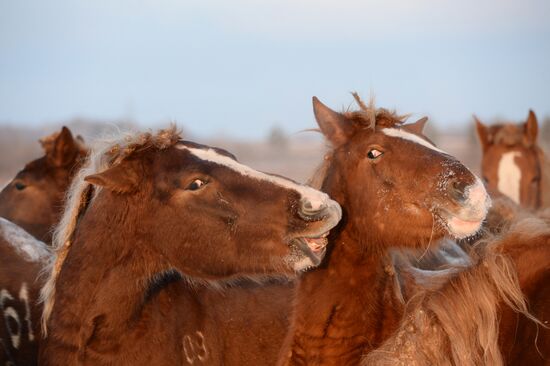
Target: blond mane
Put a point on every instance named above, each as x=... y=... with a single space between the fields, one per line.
x=446 y=327
x=105 y=153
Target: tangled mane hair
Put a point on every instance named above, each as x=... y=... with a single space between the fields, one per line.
x=458 y=323
x=105 y=153
x=368 y=116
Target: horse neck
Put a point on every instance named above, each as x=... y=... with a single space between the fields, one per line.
x=344 y=308
x=109 y=270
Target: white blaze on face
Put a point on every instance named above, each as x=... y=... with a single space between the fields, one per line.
x=31 y=250
x=509 y=175
x=317 y=200
x=402 y=134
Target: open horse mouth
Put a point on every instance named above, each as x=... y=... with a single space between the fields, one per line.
x=314 y=247
x=308 y=248
x=311 y=248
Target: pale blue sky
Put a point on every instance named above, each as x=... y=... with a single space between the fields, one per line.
x=241 y=66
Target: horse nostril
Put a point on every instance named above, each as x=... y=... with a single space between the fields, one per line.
x=458 y=189
x=311 y=207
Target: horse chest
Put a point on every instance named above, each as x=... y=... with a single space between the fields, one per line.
x=340 y=316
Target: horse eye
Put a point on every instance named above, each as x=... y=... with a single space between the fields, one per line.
x=196 y=184
x=373 y=154
x=20 y=186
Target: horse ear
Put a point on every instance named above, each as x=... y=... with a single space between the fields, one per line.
x=531 y=128
x=122 y=178
x=483 y=134
x=333 y=125
x=63 y=149
x=417 y=127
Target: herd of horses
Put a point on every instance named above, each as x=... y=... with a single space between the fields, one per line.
x=169 y=252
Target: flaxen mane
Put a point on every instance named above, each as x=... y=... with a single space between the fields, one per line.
x=458 y=324
x=105 y=154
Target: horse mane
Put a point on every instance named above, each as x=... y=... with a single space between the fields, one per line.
x=508 y=134
x=368 y=116
x=105 y=153
x=443 y=326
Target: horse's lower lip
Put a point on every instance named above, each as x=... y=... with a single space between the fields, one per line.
x=313 y=247
x=448 y=216
x=462 y=228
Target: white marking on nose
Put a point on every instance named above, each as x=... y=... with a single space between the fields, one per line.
x=315 y=197
x=509 y=175
x=32 y=250
x=476 y=192
x=313 y=205
x=478 y=201
x=402 y=134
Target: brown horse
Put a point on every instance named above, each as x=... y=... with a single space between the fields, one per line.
x=513 y=164
x=154 y=234
x=34 y=198
x=22 y=257
x=527 y=243
x=397 y=190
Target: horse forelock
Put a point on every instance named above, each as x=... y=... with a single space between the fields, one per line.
x=508 y=134
x=105 y=153
x=370 y=117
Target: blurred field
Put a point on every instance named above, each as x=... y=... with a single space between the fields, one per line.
x=295 y=155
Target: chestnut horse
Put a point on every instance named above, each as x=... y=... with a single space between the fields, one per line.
x=34 y=198
x=155 y=232
x=22 y=257
x=513 y=164
x=397 y=190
